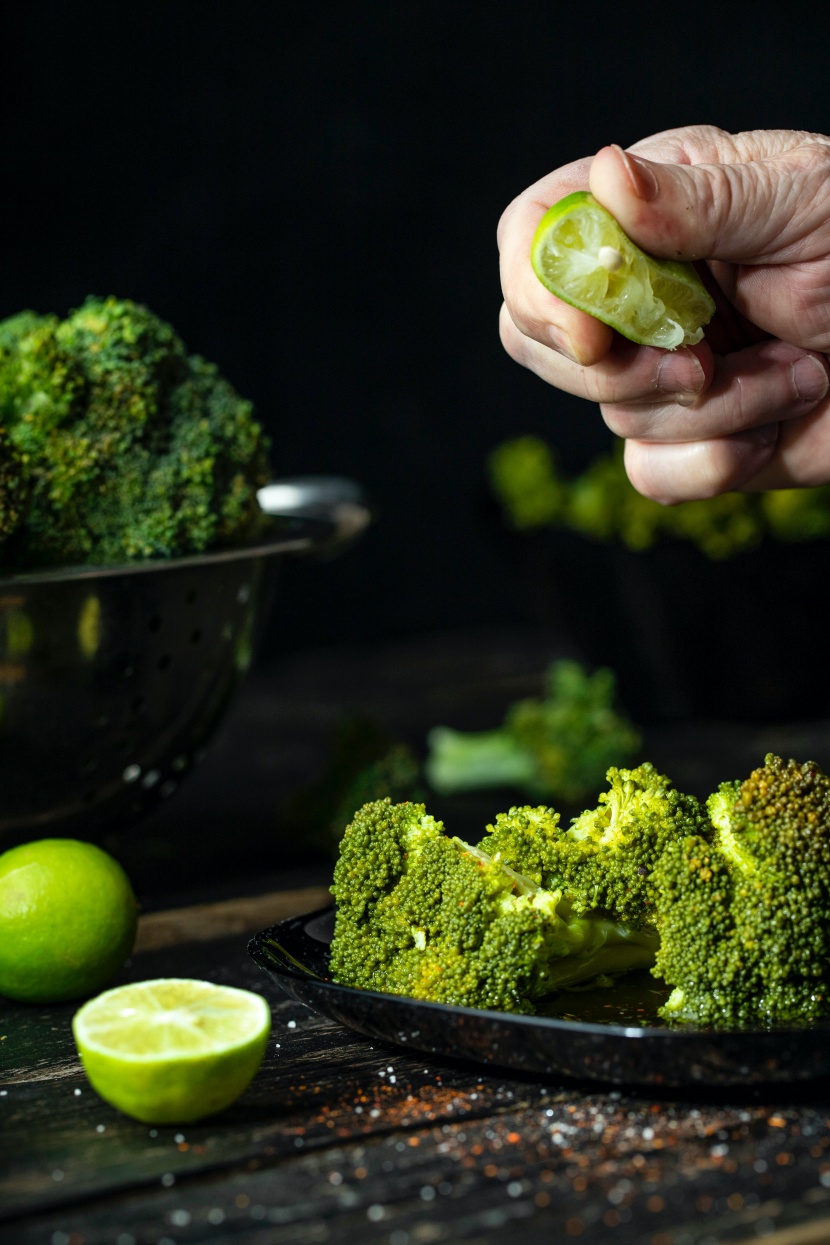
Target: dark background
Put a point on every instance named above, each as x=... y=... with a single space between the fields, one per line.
x=310 y=192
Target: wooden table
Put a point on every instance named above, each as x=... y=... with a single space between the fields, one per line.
x=342 y=1139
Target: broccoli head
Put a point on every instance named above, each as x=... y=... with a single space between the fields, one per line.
x=606 y=858
x=128 y=447
x=744 y=920
x=555 y=747
x=430 y=917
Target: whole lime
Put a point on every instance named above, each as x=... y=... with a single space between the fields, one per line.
x=67 y=920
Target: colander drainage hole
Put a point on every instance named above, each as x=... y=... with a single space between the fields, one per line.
x=191 y=596
x=138 y=704
x=154 y=624
x=195 y=636
x=164 y=661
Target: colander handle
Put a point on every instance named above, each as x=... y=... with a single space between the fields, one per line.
x=333 y=498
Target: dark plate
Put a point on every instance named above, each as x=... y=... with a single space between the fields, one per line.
x=607 y=1035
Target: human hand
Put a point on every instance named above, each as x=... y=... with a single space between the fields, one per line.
x=748 y=408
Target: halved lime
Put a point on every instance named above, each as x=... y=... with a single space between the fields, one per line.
x=582 y=256
x=172 y=1051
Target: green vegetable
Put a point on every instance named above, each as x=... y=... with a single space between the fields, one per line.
x=607 y=856
x=603 y=505
x=729 y=905
x=557 y=747
x=430 y=917
x=116 y=444
x=744 y=920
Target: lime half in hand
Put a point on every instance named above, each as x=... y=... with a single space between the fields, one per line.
x=582 y=256
x=173 y=1050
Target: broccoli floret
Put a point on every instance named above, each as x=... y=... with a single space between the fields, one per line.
x=744 y=920
x=607 y=856
x=430 y=917
x=130 y=447
x=556 y=748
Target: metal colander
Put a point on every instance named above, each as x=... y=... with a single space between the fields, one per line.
x=113 y=678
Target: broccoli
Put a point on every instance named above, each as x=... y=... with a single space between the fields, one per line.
x=602 y=504
x=606 y=858
x=744 y=919
x=557 y=747
x=430 y=917
x=14 y=487
x=116 y=444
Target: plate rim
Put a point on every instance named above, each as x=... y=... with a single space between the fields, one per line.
x=553 y=1023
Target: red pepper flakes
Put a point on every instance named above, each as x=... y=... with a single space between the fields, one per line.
x=777 y=1121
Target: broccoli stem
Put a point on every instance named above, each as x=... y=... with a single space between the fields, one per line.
x=472 y=762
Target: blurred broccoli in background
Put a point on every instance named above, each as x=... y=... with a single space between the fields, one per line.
x=364 y=764
x=556 y=747
x=116 y=445
x=602 y=504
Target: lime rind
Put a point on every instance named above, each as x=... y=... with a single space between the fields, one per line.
x=172 y=1050
x=581 y=255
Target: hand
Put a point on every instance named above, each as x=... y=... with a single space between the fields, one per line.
x=747 y=408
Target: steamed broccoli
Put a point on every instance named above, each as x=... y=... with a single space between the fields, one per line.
x=744 y=920
x=557 y=747
x=428 y=916
x=606 y=857
x=118 y=444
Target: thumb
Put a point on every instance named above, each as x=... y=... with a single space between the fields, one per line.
x=762 y=210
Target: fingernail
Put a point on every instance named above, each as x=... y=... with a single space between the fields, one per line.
x=810 y=378
x=561 y=342
x=680 y=373
x=640 y=175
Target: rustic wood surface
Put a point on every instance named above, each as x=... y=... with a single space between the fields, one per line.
x=341 y=1139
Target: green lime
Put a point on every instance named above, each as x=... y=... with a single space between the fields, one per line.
x=582 y=256
x=67 y=920
x=171 y=1051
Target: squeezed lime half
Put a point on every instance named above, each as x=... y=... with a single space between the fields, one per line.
x=172 y=1050
x=581 y=255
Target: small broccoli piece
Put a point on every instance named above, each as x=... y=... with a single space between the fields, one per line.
x=525 y=478
x=744 y=920
x=607 y=856
x=130 y=447
x=557 y=747
x=426 y=916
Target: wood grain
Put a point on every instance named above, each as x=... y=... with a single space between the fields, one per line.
x=204 y=922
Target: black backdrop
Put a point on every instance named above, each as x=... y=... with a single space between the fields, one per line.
x=309 y=192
